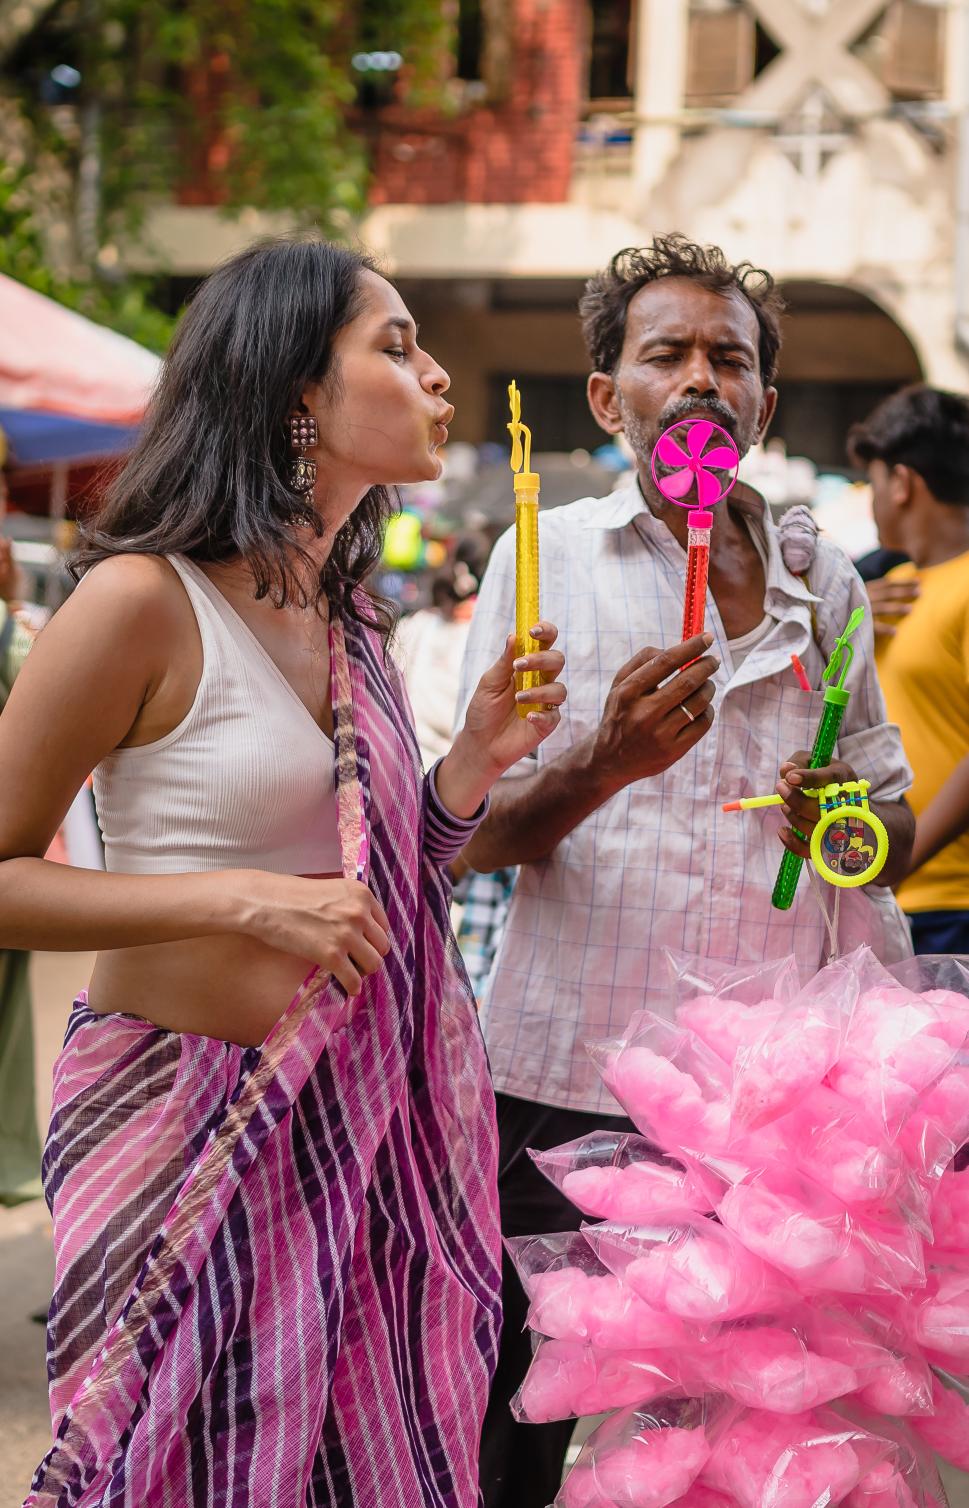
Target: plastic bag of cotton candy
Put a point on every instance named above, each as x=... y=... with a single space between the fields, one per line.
x=705 y=1453
x=733 y=1051
x=790 y=1230
x=647 y=1457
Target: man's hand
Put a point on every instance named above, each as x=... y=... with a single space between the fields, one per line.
x=890 y=597
x=803 y=811
x=653 y=716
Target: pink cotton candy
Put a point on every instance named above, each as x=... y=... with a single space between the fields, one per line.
x=777 y=1228
x=573 y=1305
x=946 y=1430
x=846 y=1151
x=652 y=1470
x=940 y=1123
x=724 y=1025
x=882 y=1487
x=941 y=1317
x=899 y=1388
x=769 y=1368
x=897 y=1045
x=767 y=1462
x=950 y=1212
x=701 y=1276
x=791 y=1058
x=569 y=1379
x=699 y=1496
x=642 y=1193
x=665 y=1102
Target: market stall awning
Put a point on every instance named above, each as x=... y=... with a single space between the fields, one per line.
x=36 y=439
x=70 y=391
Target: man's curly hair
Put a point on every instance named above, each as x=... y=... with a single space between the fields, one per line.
x=603 y=305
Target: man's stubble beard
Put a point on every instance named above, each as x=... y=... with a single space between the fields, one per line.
x=638 y=430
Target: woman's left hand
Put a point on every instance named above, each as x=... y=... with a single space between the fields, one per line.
x=494 y=736
x=493 y=719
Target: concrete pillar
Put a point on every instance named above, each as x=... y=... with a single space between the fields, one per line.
x=661 y=42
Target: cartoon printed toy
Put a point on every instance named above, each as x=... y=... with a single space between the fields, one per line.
x=694 y=464
x=849 y=846
x=527 y=485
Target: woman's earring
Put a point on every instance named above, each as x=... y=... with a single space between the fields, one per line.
x=303 y=433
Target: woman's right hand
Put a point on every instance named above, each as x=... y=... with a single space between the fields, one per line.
x=337 y=924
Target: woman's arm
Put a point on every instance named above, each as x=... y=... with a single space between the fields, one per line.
x=95 y=668
x=110 y=668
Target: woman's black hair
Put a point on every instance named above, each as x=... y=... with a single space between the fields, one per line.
x=925 y=428
x=207 y=477
x=605 y=302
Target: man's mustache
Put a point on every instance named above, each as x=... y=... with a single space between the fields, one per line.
x=683 y=408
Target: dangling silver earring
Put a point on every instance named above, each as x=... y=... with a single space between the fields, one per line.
x=303 y=433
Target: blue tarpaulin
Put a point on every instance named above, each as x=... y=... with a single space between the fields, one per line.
x=36 y=439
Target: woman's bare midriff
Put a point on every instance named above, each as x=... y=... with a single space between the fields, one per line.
x=229 y=987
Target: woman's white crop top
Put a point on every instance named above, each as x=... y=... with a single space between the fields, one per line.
x=246 y=780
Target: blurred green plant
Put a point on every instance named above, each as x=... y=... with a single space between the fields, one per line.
x=248 y=104
x=243 y=100
x=125 y=306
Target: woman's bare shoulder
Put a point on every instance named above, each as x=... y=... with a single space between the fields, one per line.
x=142 y=584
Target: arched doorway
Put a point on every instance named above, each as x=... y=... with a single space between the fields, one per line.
x=841 y=355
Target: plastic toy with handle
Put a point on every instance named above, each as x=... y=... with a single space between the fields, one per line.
x=836 y=699
x=849 y=845
x=687 y=469
x=527 y=485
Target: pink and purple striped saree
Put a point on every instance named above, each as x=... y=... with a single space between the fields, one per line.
x=277 y=1269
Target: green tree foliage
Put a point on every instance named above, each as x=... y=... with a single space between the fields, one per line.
x=247 y=102
x=124 y=305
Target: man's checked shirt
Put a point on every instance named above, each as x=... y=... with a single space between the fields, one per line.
x=660 y=866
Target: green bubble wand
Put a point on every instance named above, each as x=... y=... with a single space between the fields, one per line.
x=836 y=699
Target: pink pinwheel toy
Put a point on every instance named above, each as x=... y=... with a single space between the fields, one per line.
x=695 y=464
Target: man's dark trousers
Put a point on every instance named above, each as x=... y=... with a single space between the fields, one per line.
x=522 y=1464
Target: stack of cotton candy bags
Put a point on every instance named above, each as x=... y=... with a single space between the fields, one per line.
x=770 y=1294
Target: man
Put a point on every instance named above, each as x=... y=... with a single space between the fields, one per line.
x=915 y=447
x=617 y=824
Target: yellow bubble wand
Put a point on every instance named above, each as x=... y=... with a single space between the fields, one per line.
x=527 y=487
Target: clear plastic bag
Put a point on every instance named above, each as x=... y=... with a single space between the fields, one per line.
x=646 y=1458
x=799 y=1043
x=570 y=1379
x=753 y=983
x=672 y=1085
x=617 y=1176
x=698 y=1272
x=574 y=1297
x=893 y=1377
x=810 y=1461
x=766 y=1366
x=790 y=1222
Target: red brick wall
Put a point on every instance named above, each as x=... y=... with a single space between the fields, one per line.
x=516 y=152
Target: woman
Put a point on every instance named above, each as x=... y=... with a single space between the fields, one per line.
x=275 y=1225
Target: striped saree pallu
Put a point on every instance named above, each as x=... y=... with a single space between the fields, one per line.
x=278 y=1269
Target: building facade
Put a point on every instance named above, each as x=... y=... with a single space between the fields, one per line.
x=825 y=140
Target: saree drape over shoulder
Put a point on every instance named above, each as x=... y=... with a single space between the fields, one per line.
x=278 y=1269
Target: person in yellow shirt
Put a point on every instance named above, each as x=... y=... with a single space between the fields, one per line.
x=915 y=447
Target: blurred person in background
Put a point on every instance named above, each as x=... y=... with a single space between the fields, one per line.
x=19 y=1135
x=431 y=645
x=915 y=448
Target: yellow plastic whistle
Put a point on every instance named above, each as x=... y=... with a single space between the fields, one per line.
x=527 y=486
